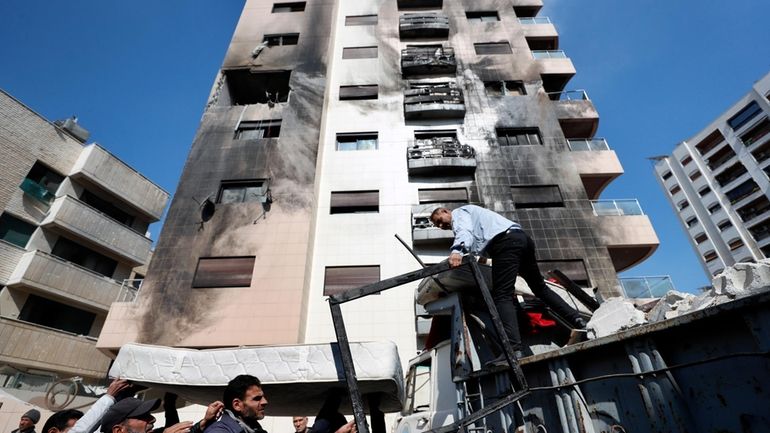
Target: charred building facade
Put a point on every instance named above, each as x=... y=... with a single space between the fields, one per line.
x=334 y=125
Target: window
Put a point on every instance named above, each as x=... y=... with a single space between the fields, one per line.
x=245 y=87
x=52 y=314
x=242 y=191
x=742 y=191
x=735 y=244
x=714 y=207
x=282 y=39
x=255 y=130
x=761 y=230
x=720 y=157
x=14 y=230
x=703 y=191
x=107 y=207
x=418 y=386
x=482 y=16
x=547 y=43
x=710 y=256
x=724 y=225
x=730 y=174
x=695 y=175
x=338 y=279
x=575 y=270
x=504 y=88
x=675 y=189
x=684 y=204
x=361 y=20
x=223 y=272
x=41 y=183
x=72 y=252
x=666 y=175
x=692 y=221
x=701 y=238
x=355 y=202
x=493 y=48
x=686 y=160
x=359 y=53
x=745 y=115
x=357 y=141
x=518 y=136
x=536 y=196
x=288 y=7
x=443 y=195
x=365 y=91
x=754 y=209
x=756 y=133
x=710 y=142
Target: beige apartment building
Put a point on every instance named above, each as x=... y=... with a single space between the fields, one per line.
x=73 y=224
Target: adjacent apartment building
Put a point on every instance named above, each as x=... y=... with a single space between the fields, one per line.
x=333 y=126
x=717 y=182
x=73 y=220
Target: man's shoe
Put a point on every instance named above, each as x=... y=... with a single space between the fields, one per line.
x=580 y=323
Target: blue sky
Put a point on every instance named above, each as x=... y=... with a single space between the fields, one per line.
x=138 y=73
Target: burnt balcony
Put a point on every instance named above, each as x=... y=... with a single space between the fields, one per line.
x=433 y=101
x=428 y=59
x=423 y=25
x=424 y=233
x=440 y=156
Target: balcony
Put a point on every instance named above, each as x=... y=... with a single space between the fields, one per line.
x=626 y=232
x=433 y=101
x=40 y=347
x=556 y=69
x=41 y=272
x=97 y=167
x=440 y=156
x=577 y=115
x=596 y=164
x=646 y=287
x=424 y=233
x=431 y=59
x=75 y=218
x=534 y=21
x=423 y=25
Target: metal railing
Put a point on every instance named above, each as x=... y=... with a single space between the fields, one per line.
x=646 y=287
x=569 y=95
x=535 y=20
x=549 y=54
x=595 y=144
x=439 y=147
x=129 y=290
x=617 y=207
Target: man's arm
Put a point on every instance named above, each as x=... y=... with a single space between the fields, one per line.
x=462 y=226
x=93 y=417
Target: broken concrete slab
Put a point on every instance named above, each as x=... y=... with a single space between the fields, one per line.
x=743 y=279
x=615 y=314
x=670 y=305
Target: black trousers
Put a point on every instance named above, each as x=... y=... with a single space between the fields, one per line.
x=512 y=254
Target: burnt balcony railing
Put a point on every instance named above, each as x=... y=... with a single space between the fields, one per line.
x=423 y=25
x=428 y=59
x=433 y=101
x=440 y=156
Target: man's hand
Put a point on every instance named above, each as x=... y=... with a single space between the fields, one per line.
x=455 y=260
x=348 y=428
x=182 y=427
x=117 y=386
x=213 y=411
x=482 y=260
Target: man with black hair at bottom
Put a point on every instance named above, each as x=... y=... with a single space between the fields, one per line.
x=62 y=421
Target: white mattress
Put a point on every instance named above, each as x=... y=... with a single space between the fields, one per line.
x=295 y=378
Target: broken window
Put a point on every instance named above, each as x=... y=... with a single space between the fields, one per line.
x=359 y=53
x=482 y=16
x=357 y=141
x=73 y=252
x=338 y=279
x=52 y=314
x=282 y=39
x=242 y=191
x=536 y=196
x=41 y=183
x=15 y=230
x=504 y=88
x=443 y=195
x=214 y=272
x=493 y=48
x=255 y=130
x=355 y=202
x=361 y=20
x=246 y=87
x=365 y=91
x=745 y=115
x=518 y=136
x=288 y=7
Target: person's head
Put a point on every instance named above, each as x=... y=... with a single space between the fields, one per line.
x=130 y=415
x=300 y=423
x=29 y=419
x=61 y=421
x=442 y=218
x=244 y=397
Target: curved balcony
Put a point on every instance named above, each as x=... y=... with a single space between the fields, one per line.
x=597 y=164
x=428 y=59
x=433 y=101
x=576 y=113
x=440 y=156
x=556 y=69
x=423 y=25
x=626 y=232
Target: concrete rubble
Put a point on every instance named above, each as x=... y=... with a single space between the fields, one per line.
x=614 y=315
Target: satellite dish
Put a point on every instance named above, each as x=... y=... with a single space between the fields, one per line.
x=207 y=210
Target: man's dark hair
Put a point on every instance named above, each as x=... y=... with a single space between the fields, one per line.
x=237 y=388
x=436 y=212
x=60 y=419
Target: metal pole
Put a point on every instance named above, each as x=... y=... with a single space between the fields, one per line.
x=349 y=369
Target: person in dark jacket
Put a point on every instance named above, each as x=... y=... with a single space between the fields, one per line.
x=62 y=421
x=245 y=404
x=28 y=421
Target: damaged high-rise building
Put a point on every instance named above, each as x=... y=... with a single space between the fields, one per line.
x=333 y=126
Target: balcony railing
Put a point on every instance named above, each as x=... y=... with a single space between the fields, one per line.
x=535 y=20
x=437 y=155
x=549 y=54
x=36 y=191
x=428 y=60
x=433 y=100
x=130 y=290
x=616 y=207
x=646 y=287
x=596 y=144
x=569 y=95
x=423 y=25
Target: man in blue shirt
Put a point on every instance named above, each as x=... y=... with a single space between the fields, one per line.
x=482 y=232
